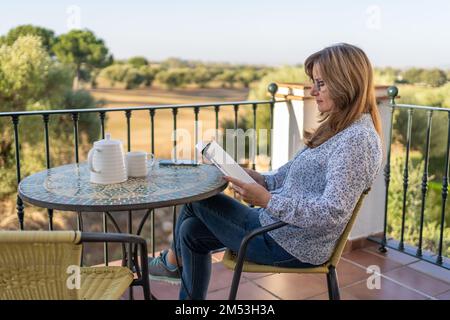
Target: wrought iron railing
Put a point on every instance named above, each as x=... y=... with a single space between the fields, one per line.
x=75 y=115
x=417 y=250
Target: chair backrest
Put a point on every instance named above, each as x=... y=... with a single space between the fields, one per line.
x=34 y=264
x=340 y=245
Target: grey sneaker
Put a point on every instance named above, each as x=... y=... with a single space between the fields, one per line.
x=158 y=270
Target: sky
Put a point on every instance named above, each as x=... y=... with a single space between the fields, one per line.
x=397 y=33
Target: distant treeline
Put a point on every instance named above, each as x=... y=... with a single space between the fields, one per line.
x=174 y=72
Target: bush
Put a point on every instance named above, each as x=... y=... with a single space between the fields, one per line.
x=413 y=206
x=173 y=78
x=129 y=75
x=437 y=97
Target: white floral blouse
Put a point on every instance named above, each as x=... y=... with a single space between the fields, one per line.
x=316 y=191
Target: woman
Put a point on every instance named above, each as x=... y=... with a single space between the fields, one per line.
x=315 y=192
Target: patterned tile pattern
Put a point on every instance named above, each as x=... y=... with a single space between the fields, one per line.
x=69 y=185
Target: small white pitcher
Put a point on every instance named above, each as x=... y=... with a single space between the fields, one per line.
x=106 y=162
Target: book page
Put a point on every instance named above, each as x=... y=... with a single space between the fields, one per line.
x=222 y=160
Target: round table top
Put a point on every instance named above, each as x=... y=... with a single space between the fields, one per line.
x=68 y=188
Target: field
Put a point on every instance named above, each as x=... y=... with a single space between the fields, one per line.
x=36 y=218
x=140 y=120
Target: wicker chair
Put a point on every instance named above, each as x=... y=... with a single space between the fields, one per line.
x=329 y=268
x=37 y=265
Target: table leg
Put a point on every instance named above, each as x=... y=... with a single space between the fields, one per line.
x=130 y=250
x=138 y=232
x=116 y=226
x=153 y=233
x=80 y=228
x=105 y=245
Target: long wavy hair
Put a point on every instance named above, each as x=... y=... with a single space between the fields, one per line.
x=348 y=75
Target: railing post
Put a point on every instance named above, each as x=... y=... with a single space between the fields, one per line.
x=102 y=116
x=439 y=259
x=272 y=88
x=392 y=93
x=424 y=183
x=216 y=111
x=152 y=130
x=128 y=116
x=196 y=111
x=236 y=110
x=46 y=119
x=174 y=136
x=19 y=202
x=255 y=137
x=75 y=118
x=405 y=180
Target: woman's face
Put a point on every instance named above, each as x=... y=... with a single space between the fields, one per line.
x=320 y=91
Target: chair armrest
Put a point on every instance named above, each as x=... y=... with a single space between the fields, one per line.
x=111 y=237
x=124 y=238
x=242 y=251
x=261 y=230
x=254 y=233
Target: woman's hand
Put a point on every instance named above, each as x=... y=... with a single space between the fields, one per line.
x=251 y=193
x=257 y=177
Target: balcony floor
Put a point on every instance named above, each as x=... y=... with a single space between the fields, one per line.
x=402 y=277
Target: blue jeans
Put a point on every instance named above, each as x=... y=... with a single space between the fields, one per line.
x=214 y=223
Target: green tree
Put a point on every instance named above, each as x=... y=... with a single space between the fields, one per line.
x=246 y=76
x=412 y=75
x=31 y=80
x=433 y=77
x=282 y=74
x=228 y=76
x=174 y=63
x=172 y=78
x=202 y=76
x=82 y=49
x=133 y=78
x=138 y=62
x=149 y=74
x=47 y=36
x=386 y=76
x=114 y=73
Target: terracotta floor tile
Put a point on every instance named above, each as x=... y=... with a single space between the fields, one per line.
x=444 y=296
x=255 y=275
x=138 y=294
x=164 y=291
x=221 y=277
x=393 y=255
x=432 y=270
x=324 y=296
x=246 y=291
x=293 y=286
x=389 y=291
x=418 y=281
x=367 y=259
x=217 y=257
x=349 y=273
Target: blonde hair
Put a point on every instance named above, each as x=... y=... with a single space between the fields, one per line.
x=348 y=75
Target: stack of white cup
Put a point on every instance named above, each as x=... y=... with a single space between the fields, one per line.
x=136 y=162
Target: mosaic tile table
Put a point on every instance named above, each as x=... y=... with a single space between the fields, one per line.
x=68 y=188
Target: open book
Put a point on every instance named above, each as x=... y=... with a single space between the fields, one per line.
x=213 y=152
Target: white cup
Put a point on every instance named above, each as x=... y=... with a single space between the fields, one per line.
x=136 y=162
